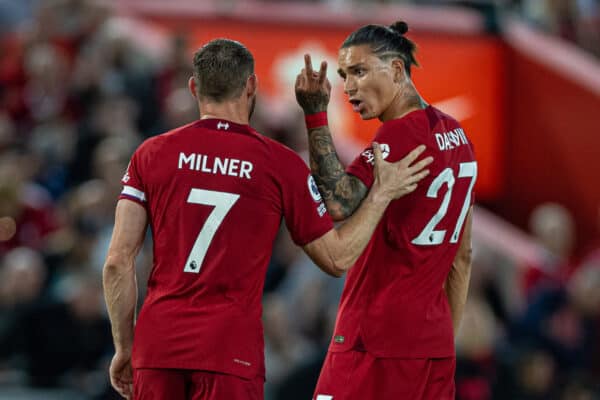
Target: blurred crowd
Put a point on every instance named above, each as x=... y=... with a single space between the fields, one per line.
x=577 y=21
x=77 y=95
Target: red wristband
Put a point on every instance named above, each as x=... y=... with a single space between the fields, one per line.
x=316 y=120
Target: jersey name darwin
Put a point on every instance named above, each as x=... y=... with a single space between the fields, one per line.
x=215 y=165
x=450 y=140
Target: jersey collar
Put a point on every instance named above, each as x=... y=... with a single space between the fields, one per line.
x=218 y=124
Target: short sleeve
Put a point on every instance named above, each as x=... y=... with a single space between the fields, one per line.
x=305 y=214
x=362 y=167
x=133 y=187
x=395 y=141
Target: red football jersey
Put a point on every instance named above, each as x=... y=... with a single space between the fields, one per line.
x=393 y=301
x=215 y=193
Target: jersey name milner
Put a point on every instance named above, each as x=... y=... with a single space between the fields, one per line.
x=215 y=165
x=215 y=193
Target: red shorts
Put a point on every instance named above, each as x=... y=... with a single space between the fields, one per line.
x=358 y=375
x=179 y=384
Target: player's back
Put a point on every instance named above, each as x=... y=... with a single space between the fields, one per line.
x=215 y=192
x=394 y=300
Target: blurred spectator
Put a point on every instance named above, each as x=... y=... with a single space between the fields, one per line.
x=65 y=343
x=534 y=376
x=475 y=363
x=29 y=204
x=563 y=324
x=552 y=225
x=22 y=278
x=574 y=20
x=284 y=347
x=588 y=25
x=172 y=89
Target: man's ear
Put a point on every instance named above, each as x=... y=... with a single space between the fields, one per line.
x=251 y=85
x=193 y=87
x=399 y=70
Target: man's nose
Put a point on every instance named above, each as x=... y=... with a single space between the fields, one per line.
x=349 y=86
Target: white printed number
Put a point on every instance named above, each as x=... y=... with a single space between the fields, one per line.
x=431 y=236
x=222 y=201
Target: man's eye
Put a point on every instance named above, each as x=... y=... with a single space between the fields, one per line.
x=360 y=72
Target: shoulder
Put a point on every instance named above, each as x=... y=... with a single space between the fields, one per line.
x=156 y=143
x=280 y=154
x=399 y=129
x=439 y=119
x=440 y=115
x=398 y=136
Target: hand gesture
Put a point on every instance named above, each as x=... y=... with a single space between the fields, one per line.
x=121 y=375
x=313 y=89
x=398 y=179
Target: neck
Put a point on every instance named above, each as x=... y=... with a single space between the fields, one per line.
x=406 y=100
x=231 y=110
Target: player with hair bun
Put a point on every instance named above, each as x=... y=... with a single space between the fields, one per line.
x=404 y=297
x=214 y=193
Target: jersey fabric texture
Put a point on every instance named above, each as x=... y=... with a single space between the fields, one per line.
x=358 y=375
x=215 y=193
x=393 y=303
x=173 y=384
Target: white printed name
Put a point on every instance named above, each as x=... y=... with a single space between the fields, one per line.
x=215 y=165
x=450 y=140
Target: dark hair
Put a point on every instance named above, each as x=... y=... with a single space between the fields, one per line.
x=386 y=42
x=221 y=69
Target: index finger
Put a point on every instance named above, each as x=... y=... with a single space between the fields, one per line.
x=412 y=156
x=377 y=153
x=308 y=65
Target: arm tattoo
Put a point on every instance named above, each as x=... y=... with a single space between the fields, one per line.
x=342 y=193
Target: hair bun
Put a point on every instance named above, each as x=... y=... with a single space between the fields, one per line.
x=399 y=26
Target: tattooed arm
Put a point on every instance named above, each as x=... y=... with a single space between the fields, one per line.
x=342 y=192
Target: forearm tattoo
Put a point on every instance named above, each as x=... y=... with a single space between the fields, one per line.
x=342 y=193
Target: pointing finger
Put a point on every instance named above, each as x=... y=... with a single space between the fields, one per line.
x=377 y=153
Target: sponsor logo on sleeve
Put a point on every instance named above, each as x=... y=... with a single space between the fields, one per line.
x=313 y=189
x=321 y=209
x=370 y=157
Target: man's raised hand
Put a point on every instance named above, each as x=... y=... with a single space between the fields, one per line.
x=313 y=89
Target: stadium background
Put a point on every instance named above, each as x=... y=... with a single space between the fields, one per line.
x=82 y=83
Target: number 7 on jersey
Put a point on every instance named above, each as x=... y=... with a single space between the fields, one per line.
x=222 y=202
